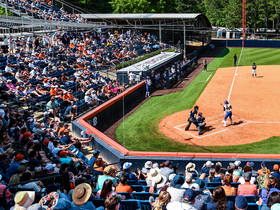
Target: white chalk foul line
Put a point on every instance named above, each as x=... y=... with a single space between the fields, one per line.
x=235 y=75
x=208 y=77
x=225 y=129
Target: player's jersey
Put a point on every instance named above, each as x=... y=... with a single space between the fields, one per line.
x=227 y=108
x=148 y=82
x=254 y=67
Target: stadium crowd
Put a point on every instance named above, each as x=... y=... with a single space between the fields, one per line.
x=153 y=187
x=43 y=9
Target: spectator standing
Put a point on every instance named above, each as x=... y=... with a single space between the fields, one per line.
x=205 y=63
x=131 y=78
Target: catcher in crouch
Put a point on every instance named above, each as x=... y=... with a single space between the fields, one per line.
x=193 y=119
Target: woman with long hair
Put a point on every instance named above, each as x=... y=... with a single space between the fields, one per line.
x=263 y=179
x=229 y=190
x=265 y=192
x=163 y=199
x=211 y=177
x=107 y=190
x=219 y=201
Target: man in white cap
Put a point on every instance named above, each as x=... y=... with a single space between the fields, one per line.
x=206 y=167
x=126 y=170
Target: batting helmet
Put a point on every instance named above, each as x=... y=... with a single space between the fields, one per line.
x=196 y=107
x=226 y=102
x=200 y=114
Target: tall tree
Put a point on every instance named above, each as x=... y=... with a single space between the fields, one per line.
x=215 y=11
x=233 y=13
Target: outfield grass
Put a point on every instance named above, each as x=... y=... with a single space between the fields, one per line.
x=141 y=128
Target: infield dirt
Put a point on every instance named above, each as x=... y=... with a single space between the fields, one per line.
x=255 y=103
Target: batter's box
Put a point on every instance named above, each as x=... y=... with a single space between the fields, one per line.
x=214 y=125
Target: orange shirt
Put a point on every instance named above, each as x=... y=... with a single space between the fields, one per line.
x=123 y=188
x=61 y=130
x=53 y=92
x=80 y=65
x=66 y=97
x=99 y=168
x=229 y=190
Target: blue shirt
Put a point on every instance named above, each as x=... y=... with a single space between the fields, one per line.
x=263 y=193
x=66 y=139
x=205 y=170
x=62 y=204
x=131 y=176
x=101 y=180
x=87 y=206
x=212 y=206
x=13 y=169
x=92 y=161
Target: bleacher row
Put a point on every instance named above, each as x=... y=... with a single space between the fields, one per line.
x=42 y=10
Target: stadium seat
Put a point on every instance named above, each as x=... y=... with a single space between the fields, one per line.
x=231 y=198
x=253 y=206
x=141 y=195
x=145 y=205
x=137 y=188
x=213 y=184
x=98 y=202
x=129 y=205
x=126 y=194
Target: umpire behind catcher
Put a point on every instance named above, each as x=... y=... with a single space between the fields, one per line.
x=193 y=119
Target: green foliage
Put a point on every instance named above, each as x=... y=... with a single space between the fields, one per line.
x=129 y=63
x=169 y=50
x=3 y=12
x=140 y=130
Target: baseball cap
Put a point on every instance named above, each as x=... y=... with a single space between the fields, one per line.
x=263 y=164
x=237 y=163
x=19 y=157
x=188 y=177
x=96 y=152
x=247 y=175
x=66 y=124
x=50 y=166
x=108 y=170
x=127 y=165
x=195 y=187
x=46 y=113
x=276 y=167
x=252 y=164
x=208 y=163
x=189 y=195
x=241 y=202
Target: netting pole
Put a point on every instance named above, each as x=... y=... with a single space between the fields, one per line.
x=243 y=21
